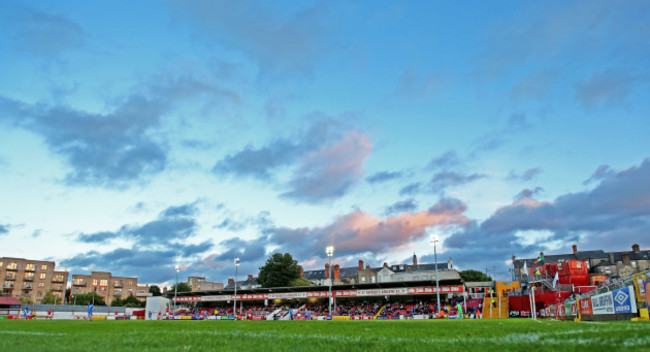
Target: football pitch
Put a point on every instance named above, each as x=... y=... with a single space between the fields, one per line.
x=318 y=336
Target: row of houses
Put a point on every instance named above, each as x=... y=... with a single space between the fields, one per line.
x=599 y=262
x=365 y=274
x=26 y=278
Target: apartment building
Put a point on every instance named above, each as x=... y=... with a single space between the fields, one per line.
x=26 y=278
x=106 y=285
x=198 y=283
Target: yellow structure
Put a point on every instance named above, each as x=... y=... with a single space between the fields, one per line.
x=504 y=286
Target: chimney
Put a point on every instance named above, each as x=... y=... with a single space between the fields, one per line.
x=230 y=281
x=575 y=249
x=385 y=265
x=302 y=272
x=327 y=271
x=611 y=258
x=635 y=248
x=450 y=264
x=250 y=276
x=337 y=273
x=415 y=259
x=360 y=265
x=513 y=259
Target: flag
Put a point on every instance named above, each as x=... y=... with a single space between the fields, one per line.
x=525 y=268
x=555 y=280
x=539 y=259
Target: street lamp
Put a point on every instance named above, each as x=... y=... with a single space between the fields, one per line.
x=234 y=305
x=330 y=252
x=434 y=242
x=178 y=269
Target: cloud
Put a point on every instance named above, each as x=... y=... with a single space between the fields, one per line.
x=292 y=41
x=613 y=215
x=173 y=223
x=260 y=162
x=4 y=229
x=357 y=233
x=528 y=193
x=607 y=87
x=329 y=157
x=445 y=179
x=383 y=176
x=329 y=172
x=43 y=34
x=112 y=149
x=517 y=123
x=602 y=172
x=447 y=160
x=415 y=85
x=526 y=175
x=537 y=86
x=411 y=189
x=403 y=206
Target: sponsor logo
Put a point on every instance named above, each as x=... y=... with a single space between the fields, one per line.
x=621 y=297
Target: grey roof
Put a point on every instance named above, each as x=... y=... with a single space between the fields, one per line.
x=353 y=271
x=584 y=255
x=242 y=283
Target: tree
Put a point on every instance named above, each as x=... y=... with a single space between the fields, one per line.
x=67 y=295
x=155 y=290
x=279 y=271
x=132 y=302
x=51 y=298
x=474 y=276
x=84 y=299
x=117 y=302
x=182 y=287
x=26 y=300
x=301 y=281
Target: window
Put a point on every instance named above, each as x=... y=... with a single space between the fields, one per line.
x=94 y=282
x=12 y=266
x=103 y=283
x=29 y=277
x=10 y=275
x=42 y=276
x=39 y=294
x=30 y=267
x=44 y=267
x=41 y=284
x=633 y=264
x=579 y=265
x=58 y=277
x=1 y=263
x=363 y=279
x=130 y=282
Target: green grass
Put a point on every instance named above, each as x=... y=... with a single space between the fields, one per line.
x=318 y=336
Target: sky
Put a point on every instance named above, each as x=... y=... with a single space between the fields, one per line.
x=138 y=136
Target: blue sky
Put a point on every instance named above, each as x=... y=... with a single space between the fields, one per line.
x=139 y=136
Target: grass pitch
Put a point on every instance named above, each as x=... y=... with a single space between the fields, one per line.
x=318 y=336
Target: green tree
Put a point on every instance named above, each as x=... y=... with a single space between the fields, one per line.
x=474 y=276
x=132 y=302
x=155 y=290
x=84 y=299
x=182 y=287
x=117 y=302
x=301 y=281
x=26 y=300
x=279 y=271
x=67 y=295
x=51 y=298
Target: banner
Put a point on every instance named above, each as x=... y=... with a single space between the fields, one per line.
x=646 y=287
x=318 y=294
x=585 y=307
x=638 y=286
x=341 y=317
x=602 y=303
x=567 y=309
x=624 y=300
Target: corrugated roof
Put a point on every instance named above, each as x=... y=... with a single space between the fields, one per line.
x=9 y=301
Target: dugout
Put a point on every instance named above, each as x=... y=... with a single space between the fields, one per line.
x=9 y=307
